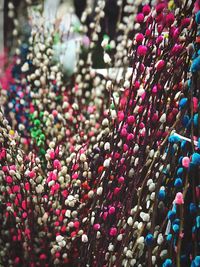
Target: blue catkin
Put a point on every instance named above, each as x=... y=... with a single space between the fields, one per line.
x=194 y=55
x=189 y=83
x=194 y=229
x=195 y=65
x=174 y=208
x=149 y=239
x=167 y=263
x=24 y=49
x=177 y=221
x=185 y=121
x=174 y=138
x=169 y=237
x=195 y=119
x=180 y=171
x=176 y=228
x=172 y=150
x=165 y=171
x=197 y=17
x=178 y=183
x=161 y=194
x=198 y=222
x=180 y=160
x=196 y=262
x=183 y=103
x=196 y=159
x=183 y=144
x=171 y=215
x=192 y=208
x=198 y=144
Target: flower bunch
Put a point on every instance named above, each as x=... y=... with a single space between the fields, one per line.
x=106 y=172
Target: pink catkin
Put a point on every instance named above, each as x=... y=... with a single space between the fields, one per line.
x=142 y=50
x=57 y=164
x=146 y=10
x=27 y=186
x=76 y=224
x=186 y=162
x=96 y=227
x=179 y=199
x=160 y=65
x=185 y=22
x=111 y=210
x=131 y=119
x=139 y=37
x=120 y=115
x=113 y=231
x=121 y=180
x=170 y=19
x=32 y=174
x=52 y=154
x=140 y=17
x=9 y=179
x=160 y=7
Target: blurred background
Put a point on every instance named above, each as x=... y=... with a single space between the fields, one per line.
x=50 y=9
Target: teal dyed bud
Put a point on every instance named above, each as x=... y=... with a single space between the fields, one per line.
x=175 y=228
x=195 y=65
x=195 y=119
x=192 y=208
x=174 y=138
x=196 y=159
x=178 y=183
x=161 y=195
x=171 y=215
x=149 y=239
x=167 y=263
x=183 y=103
x=197 y=17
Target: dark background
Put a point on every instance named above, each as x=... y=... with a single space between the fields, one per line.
x=108 y=24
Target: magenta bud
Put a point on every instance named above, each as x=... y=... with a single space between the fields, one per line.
x=147 y=32
x=120 y=115
x=96 y=227
x=113 y=231
x=121 y=180
x=146 y=10
x=185 y=22
x=160 y=65
x=111 y=210
x=140 y=18
x=139 y=37
x=160 y=7
x=170 y=19
x=131 y=119
x=142 y=50
x=159 y=39
x=130 y=137
x=123 y=132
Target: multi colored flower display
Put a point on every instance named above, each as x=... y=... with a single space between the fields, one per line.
x=97 y=171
